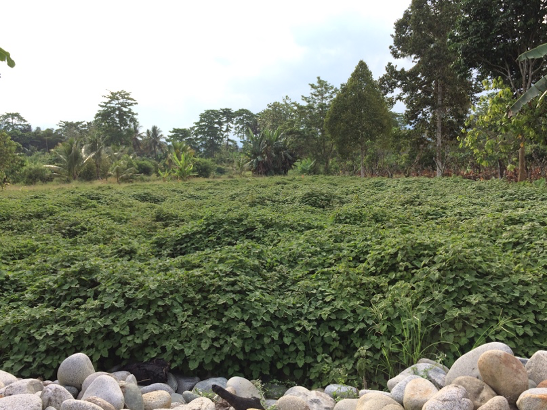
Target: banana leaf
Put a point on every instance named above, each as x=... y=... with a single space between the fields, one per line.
x=538 y=52
x=539 y=88
x=4 y=55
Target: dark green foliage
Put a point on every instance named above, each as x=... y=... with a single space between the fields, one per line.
x=316 y=280
x=145 y=167
x=203 y=167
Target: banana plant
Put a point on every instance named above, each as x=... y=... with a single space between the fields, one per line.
x=4 y=56
x=538 y=89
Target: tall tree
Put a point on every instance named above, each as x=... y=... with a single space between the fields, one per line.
x=13 y=121
x=437 y=99
x=358 y=115
x=116 y=117
x=154 y=140
x=183 y=135
x=213 y=130
x=73 y=129
x=312 y=116
x=489 y=35
x=9 y=160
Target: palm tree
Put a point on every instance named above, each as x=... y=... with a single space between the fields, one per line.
x=72 y=156
x=268 y=153
x=96 y=143
x=154 y=140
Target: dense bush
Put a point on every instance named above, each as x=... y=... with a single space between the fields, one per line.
x=33 y=174
x=317 y=280
x=145 y=167
x=203 y=167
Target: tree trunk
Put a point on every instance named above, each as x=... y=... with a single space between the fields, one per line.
x=522 y=161
x=439 y=109
x=362 y=162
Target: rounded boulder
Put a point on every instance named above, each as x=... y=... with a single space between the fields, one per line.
x=74 y=370
x=106 y=388
x=504 y=373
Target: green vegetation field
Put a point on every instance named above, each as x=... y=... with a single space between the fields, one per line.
x=315 y=280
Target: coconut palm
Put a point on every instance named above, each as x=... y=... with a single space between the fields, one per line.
x=154 y=140
x=72 y=155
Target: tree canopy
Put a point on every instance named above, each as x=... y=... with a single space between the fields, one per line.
x=358 y=114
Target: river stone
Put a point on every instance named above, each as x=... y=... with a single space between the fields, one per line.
x=366 y=391
x=417 y=393
x=496 y=403
x=107 y=388
x=188 y=396
x=73 y=404
x=201 y=403
x=132 y=395
x=451 y=397
x=74 y=370
x=533 y=399
x=341 y=391
x=156 y=400
x=177 y=398
x=185 y=383
x=316 y=400
x=479 y=392
x=157 y=386
x=54 y=395
x=536 y=367
x=398 y=391
x=103 y=404
x=292 y=403
x=25 y=386
x=21 y=402
x=120 y=375
x=504 y=373
x=7 y=378
x=88 y=380
x=466 y=365
x=346 y=404
x=172 y=382
x=243 y=387
x=433 y=362
x=377 y=401
x=205 y=386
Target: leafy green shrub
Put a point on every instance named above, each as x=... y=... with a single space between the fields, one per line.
x=204 y=167
x=33 y=174
x=317 y=280
x=145 y=167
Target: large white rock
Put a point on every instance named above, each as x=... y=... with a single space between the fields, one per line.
x=107 y=388
x=467 y=365
x=74 y=370
x=25 y=386
x=316 y=400
x=243 y=387
x=54 y=395
x=21 y=402
x=7 y=378
x=451 y=397
x=74 y=404
x=536 y=367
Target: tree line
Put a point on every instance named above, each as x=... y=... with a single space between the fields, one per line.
x=465 y=75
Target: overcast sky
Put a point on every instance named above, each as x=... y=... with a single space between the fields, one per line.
x=180 y=58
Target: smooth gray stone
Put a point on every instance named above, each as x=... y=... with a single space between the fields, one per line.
x=7 y=378
x=132 y=395
x=54 y=395
x=188 y=396
x=21 y=402
x=243 y=387
x=185 y=383
x=467 y=365
x=205 y=386
x=177 y=398
x=398 y=392
x=107 y=388
x=120 y=375
x=172 y=381
x=74 y=370
x=73 y=404
x=155 y=387
x=88 y=380
x=346 y=404
x=25 y=386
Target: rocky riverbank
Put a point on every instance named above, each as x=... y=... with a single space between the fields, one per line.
x=489 y=377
